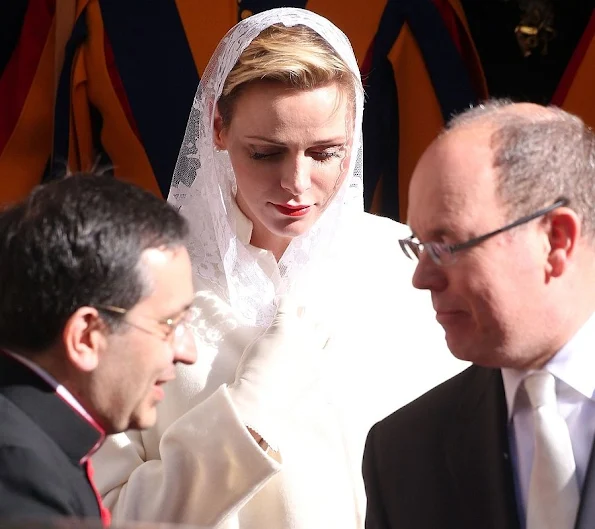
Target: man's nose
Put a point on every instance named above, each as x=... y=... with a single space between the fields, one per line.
x=186 y=352
x=428 y=275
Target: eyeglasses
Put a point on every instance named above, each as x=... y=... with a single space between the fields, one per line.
x=177 y=332
x=445 y=254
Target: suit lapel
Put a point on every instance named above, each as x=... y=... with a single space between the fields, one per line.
x=478 y=455
x=586 y=511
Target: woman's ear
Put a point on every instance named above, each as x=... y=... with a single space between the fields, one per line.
x=218 y=131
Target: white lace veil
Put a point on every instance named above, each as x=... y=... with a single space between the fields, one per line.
x=204 y=186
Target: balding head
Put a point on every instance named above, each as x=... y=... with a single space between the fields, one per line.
x=499 y=112
x=539 y=154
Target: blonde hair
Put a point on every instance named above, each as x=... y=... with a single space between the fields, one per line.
x=295 y=56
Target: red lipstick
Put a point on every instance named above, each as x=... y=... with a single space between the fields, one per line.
x=292 y=211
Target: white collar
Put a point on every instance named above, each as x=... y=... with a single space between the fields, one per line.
x=244 y=225
x=265 y=258
x=574 y=365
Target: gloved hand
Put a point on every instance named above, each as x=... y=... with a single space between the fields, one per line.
x=276 y=369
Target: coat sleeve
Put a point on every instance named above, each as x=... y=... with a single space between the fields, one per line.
x=28 y=487
x=375 y=512
x=209 y=467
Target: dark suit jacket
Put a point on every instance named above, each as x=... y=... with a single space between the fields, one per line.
x=443 y=461
x=42 y=443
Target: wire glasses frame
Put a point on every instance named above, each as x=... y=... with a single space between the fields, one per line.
x=445 y=254
x=177 y=328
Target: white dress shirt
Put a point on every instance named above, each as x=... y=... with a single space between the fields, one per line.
x=574 y=369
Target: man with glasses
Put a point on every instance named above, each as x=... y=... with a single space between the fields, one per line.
x=96 y=297
x=502 y=211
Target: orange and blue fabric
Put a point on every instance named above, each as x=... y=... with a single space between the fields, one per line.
x=421 y=68
x=130 y=71
x=26 y=103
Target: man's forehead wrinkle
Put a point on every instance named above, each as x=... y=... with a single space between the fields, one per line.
x=434 y=225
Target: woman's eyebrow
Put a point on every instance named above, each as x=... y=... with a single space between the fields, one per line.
x=266 y=140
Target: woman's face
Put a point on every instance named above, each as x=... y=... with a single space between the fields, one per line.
x=289 y=150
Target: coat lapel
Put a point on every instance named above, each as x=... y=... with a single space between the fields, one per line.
x=478 y=455
x=586 y=511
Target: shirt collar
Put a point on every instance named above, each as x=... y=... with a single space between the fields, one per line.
x=265 y=259
x=574 y=365
x=51 y=411
x=244 y=225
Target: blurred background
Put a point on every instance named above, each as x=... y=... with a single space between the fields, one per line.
x=111 y=82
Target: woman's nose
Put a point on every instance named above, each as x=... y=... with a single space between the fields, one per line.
x=296 y=176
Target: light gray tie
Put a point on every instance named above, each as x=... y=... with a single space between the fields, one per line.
x=553 y=490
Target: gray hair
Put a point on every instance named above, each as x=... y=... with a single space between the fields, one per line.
x=540 y=154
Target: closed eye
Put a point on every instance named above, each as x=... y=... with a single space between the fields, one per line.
x=325 y=156
x=262 y=155
x=320 y=156
x=327 y=153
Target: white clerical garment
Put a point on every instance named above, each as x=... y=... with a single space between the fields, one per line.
x=200 y=466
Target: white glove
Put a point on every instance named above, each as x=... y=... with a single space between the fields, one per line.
x=276 y=370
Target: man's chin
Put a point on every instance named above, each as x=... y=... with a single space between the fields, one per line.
x=462 y=351
x=144 y=420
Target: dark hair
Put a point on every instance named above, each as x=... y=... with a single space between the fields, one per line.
x=72 y=243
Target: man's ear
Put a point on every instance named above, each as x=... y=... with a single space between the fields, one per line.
x=219 y=131
x=563 y=236
x=84 y=336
